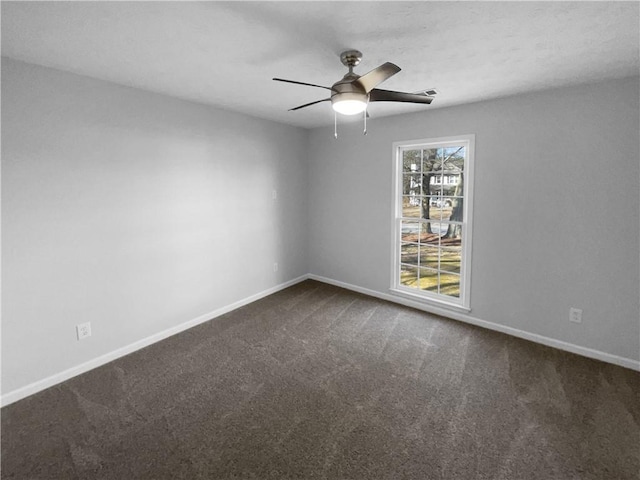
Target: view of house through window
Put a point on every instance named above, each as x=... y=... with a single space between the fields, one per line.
x=432 y=218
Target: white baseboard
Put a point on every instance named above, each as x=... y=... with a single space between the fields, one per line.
x=45 y=383
x=463 y=317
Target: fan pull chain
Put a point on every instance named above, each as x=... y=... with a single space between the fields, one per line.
x=365 y=122
x=335 y=124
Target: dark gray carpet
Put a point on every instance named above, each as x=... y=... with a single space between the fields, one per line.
x=319 y=382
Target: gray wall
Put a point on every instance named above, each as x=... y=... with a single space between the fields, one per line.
x=133 y=211
x=139 y=212
x=555 y=215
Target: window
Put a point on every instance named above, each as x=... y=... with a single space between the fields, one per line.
x=433 y=182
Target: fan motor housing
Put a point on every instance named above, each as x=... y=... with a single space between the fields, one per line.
x=346 y=90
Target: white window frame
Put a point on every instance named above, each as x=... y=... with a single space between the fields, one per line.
x=463 y=303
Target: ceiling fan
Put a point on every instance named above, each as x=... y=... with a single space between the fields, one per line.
x=352 y=94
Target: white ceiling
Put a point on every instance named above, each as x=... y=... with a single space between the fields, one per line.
x=226 y=53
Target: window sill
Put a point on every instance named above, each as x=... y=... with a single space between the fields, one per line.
x=430 y=301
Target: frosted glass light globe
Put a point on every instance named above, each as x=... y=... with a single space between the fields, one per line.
x=349 y=107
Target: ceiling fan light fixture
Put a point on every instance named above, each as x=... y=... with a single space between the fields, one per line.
x=352 y=94
x=350 y=107
x=349 y=103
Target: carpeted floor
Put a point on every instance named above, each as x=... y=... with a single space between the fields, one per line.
x=316 y=382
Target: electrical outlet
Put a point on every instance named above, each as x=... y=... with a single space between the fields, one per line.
x=83 y=330
x=274 y=195
x=275 y=267
x=575 y=315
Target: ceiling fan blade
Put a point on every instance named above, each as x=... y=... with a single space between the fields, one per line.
x=309 y=104
x=378 y=95
x=301 y=83
x=370 y=80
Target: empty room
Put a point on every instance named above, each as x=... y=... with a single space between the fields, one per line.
x=320 y=240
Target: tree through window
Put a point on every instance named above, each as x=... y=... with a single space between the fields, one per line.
x=432 y=220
